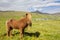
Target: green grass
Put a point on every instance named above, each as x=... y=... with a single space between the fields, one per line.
x=48 y=26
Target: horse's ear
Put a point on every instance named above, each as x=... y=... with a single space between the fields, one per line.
x=26 y=14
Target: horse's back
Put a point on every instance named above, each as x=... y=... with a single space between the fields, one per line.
x=11 y=22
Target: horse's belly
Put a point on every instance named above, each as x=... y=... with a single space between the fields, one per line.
x=15 y=27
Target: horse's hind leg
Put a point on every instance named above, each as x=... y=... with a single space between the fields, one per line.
x=9 y=31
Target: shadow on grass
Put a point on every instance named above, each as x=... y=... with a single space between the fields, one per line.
x=36 y=34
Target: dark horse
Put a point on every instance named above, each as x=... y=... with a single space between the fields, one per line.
x=20 y=24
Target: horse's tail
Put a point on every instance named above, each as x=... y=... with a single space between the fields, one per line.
x=7 y=23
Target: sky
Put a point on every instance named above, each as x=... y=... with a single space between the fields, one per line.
x=45 y=6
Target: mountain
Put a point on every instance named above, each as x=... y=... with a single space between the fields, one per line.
x=39 y=12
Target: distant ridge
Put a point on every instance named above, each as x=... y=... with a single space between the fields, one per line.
x=58 y=14
x=39 y=12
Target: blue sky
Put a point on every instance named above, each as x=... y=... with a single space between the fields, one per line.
x=46 y=6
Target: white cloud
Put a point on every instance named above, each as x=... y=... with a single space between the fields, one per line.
x=26 y=4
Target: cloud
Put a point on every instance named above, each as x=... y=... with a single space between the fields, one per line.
x=5 y=5
x=46 y=4
x=27 y=5
x=51 y=9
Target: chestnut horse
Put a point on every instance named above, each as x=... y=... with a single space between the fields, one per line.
x=19 y=24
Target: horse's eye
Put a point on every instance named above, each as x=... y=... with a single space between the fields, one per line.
x=26 y=14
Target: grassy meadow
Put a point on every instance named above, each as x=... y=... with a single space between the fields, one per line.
x=44 y=27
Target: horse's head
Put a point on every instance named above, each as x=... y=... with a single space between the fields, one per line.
x=28 y=16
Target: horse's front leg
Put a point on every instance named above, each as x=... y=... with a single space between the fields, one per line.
x=21 y=33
